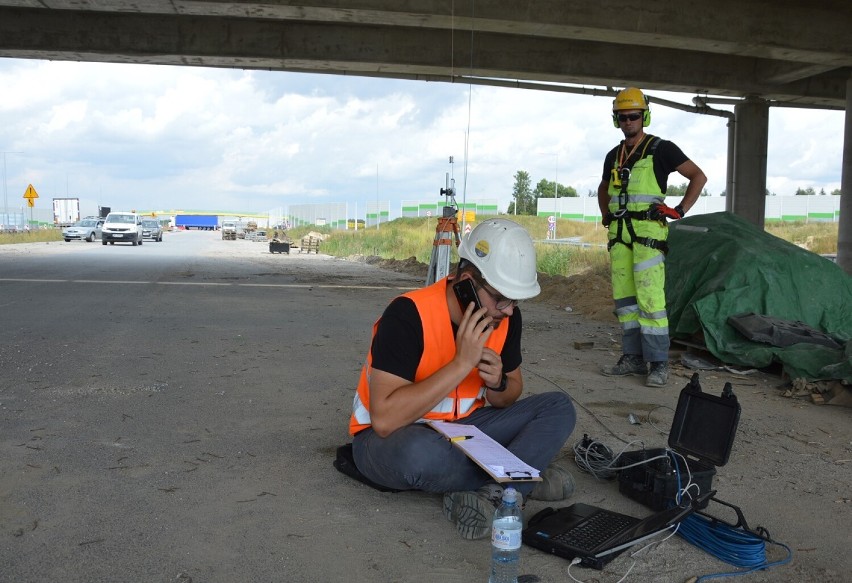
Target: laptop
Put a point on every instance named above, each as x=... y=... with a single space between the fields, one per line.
x=596 y=535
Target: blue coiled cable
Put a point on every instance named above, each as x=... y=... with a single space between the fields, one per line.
x=733 y=545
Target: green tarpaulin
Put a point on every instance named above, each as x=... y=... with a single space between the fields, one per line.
x=720 y=265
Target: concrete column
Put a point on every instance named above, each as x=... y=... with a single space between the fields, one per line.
x=750 y=146
x=844 y=230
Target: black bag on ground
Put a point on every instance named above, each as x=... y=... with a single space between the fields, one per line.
x=345 y=463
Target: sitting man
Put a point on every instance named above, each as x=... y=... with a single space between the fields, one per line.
x=430 y=358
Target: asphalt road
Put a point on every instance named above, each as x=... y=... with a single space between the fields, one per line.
x=170 y=413
x=167 y=409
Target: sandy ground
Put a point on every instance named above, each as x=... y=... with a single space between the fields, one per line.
x=213 y=462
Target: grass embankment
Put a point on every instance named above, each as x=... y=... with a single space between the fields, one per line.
x=37 y=236
x=413 y=237
x=405 y=238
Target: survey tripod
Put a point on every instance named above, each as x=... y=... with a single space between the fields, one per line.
x=446 y=234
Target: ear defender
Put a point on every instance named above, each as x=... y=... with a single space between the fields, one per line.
x=615 y=119
x=646 y=118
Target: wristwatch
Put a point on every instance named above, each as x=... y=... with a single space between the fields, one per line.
x=503 y=380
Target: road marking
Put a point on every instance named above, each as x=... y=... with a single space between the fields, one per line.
x=212 y=283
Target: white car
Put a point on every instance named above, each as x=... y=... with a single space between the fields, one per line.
x=122 y=227
x=87 y=230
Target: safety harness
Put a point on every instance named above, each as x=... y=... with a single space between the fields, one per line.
x=626 y=217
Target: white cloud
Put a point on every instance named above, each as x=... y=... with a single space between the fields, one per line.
x=138 y=136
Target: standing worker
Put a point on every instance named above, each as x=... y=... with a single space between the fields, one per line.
x=631 y=197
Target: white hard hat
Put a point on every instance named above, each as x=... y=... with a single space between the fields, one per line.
x=504 y=254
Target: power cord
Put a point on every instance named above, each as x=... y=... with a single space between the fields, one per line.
x=734 y=545
x=593 y=457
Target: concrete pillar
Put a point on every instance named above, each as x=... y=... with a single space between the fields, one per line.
x=750 y=146
x=844 y=230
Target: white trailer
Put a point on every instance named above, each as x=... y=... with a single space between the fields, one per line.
x=66 y=211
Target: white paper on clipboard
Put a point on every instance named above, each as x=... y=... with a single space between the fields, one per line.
x=499 y=462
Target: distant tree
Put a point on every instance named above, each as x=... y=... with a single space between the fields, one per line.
x=822 y=192
x=592 y=193
x=723 y=193
x=545 y=189
x=523 y=203
x=809 y=191
x=676 y=190
x=835 y=192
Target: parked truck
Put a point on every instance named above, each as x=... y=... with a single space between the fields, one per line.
x=198 y=222
x=66 y=211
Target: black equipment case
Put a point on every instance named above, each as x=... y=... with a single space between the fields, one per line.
x=703 y=433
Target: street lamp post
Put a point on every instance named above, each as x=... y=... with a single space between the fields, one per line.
x=556 y=181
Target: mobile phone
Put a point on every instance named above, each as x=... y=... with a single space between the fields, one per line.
x=466 y=293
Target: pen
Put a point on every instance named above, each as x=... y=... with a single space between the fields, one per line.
x=460 y=438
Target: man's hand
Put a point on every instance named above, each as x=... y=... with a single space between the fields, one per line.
x=474 y=330
x=659 y=212
x=490 y=368
x=608 y=218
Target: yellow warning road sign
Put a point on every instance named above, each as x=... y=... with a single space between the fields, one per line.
x=30 y=202
x=30 y=194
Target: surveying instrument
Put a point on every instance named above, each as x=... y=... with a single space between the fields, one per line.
x=446 y=234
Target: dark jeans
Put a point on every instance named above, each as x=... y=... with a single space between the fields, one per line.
x=417 y=457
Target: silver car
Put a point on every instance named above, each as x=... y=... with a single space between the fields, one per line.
x=152 y=229
x=87 y=229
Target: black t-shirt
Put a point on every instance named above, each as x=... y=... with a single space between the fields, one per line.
x=667 y=157
x=398 y=344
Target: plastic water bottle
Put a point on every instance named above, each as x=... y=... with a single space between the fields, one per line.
x=506 y=539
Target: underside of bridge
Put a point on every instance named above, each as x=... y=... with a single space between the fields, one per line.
x=754 y=55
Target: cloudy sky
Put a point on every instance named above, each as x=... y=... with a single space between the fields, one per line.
x=156 y=137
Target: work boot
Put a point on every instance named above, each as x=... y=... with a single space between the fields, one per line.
x=473 y=511
x=557 y=484
x=628 y=364
x=658 y=376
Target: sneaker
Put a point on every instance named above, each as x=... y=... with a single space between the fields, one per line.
x=473 y=511
x=628 y=364
x=658 y=375
x=557 y=484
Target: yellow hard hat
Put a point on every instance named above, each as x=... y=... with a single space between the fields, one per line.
x=629 y=98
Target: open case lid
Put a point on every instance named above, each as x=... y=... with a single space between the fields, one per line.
x=704 y=425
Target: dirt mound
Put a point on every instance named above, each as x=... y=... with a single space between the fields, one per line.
x=586 y=293
x=410 y=266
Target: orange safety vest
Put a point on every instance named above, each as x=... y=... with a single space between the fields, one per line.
x=439 y=348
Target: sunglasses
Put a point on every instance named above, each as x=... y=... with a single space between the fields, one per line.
x=628 y=116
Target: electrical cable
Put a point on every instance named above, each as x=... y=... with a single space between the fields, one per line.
x=732 y=544
x=576 y=402
x=735 y=545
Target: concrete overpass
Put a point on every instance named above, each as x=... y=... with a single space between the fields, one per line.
x=754 y=55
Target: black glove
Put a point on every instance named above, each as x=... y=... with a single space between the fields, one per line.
x=659 y=212
x=608 y=218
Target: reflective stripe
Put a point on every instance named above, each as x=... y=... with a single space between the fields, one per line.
x=654 y=315
x=362 y=415
x=466 y=405
x=627 y=310
x=655 y=331
x=648 y=263
x=445 y=405
x=627 y=324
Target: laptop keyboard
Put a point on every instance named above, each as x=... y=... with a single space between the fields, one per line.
x=596 y=529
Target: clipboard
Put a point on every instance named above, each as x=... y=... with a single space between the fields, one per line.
x=500 y=463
